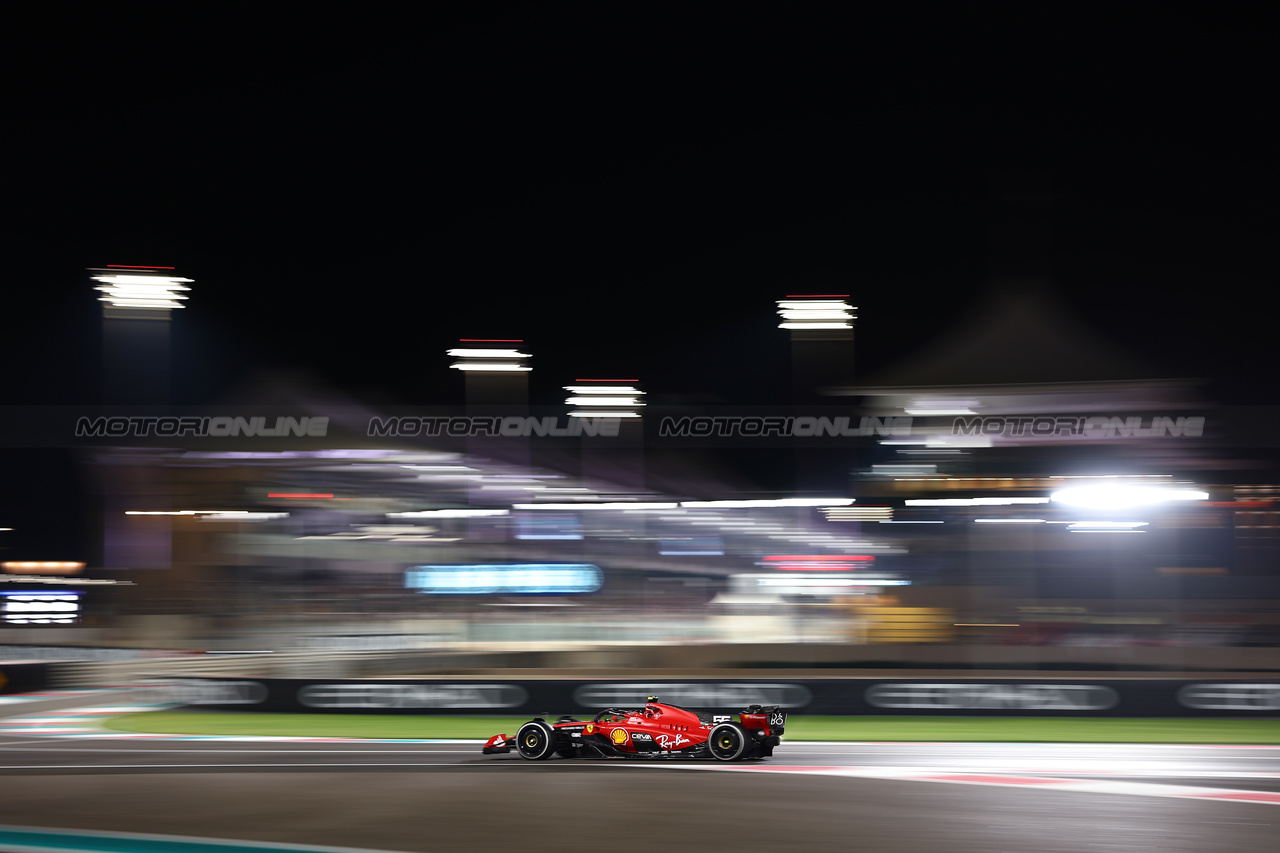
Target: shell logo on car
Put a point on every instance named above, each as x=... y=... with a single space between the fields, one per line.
x=619 y=736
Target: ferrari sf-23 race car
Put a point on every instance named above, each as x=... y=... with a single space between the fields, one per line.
x=658 y=730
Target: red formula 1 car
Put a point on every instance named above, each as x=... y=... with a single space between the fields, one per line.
x=659 y=730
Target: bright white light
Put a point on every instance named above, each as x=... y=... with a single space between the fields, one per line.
x=769 y=503
x=602 y=389
x=1119 y=496
x=959 y=441
x=1008 y=521
x=1104 y=530
x=817 y=305
x=495 y=366
x=44 y=607
x=1105 y=525
x=975 y=501
x=828 y=580
x=610 y=505
x=815 y=315
x=604 y=414
x=603 y=401
x=141 y=291
x=938 y=412
x=449 y=513
x=487 y=353
x=215 y=514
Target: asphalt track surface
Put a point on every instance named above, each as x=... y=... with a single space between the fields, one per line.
x=439 y=797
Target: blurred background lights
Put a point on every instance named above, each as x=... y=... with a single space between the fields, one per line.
x=137 y=288
x=775 y=502
x=1122 y=496
x=492 y=359
x=604 y=398
x=816 y=312
x=42 y=567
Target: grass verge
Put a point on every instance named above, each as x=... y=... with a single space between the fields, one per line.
x=985 y=729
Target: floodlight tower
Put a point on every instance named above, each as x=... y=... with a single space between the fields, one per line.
x=604 y=398
x=137 y=304
x=497 y=383
x=497 y=372
x=619 y=459
x=821 y=327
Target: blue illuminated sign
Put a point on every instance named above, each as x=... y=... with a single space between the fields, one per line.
x=508 y=579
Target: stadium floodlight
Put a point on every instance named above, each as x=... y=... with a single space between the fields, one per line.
x=819 y=312
x=489 y=359
x=496 y=366
x=141 y=292
x=595 y=400
x=612 y=400
x=1121 y=496
x=814 y=304
x=602 y=389
x=487 y=353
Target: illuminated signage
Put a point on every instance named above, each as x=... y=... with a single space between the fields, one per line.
x=43 y=567
x=508 y=579
x=38 y=608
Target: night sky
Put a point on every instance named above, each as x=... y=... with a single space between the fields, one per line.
x=627 y=187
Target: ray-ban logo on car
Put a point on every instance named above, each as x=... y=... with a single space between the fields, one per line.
x=1231 y=697
x=994 y=697
x=412 y=696
x=693 y=695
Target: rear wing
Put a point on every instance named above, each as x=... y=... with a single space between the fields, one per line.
x=760 y=717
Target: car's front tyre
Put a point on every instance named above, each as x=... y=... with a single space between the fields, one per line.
x=727 y=742
x=536 y=741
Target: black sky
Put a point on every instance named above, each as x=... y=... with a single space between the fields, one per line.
x=627 y=186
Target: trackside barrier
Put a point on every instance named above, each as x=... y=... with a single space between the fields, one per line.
x=834 y=696
x=24 y=677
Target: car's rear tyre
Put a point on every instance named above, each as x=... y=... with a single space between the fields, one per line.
x=535 y=741
x=727 y=742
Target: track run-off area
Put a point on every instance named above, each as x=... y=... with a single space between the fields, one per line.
x=59 y=769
